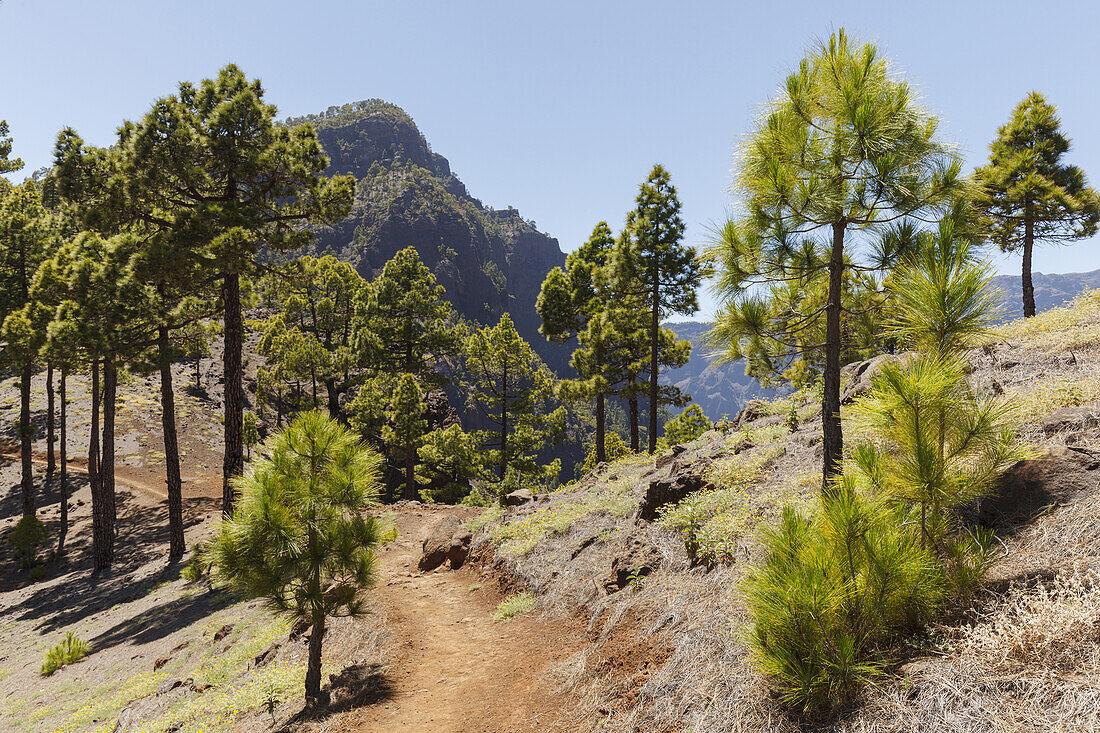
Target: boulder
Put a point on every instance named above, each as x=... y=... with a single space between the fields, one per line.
x=459 y=548
x=753 y=410
x=1072 y=418
x=666 y=458
x=683 y=478
x=639 y=557
x=519 y=497
x=858 y=376
x=1054 y=477
x=438 y=543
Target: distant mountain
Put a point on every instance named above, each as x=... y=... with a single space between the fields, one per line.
x=1051 y=291
x=490 y=261
x=720 y=389
x=723 y=389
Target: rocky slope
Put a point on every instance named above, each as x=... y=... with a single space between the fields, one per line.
x=665 y=644
x=490 y=261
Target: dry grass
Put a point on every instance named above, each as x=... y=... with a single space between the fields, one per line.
x=1073 y=326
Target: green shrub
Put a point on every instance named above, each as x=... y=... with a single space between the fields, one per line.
x=833 y=590
x=514 y=605
x=687 y=426
x=613 y=447
x=25 y=538
x=70 y=650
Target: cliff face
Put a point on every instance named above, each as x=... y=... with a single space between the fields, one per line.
x=489 y=261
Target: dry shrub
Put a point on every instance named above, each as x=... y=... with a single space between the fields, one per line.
x=1055 y=625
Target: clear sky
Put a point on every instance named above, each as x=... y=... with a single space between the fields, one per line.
x=556 y=108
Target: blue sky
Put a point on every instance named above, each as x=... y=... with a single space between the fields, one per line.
x=557 y=108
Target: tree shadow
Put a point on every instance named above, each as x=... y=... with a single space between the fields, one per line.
x=357 y=685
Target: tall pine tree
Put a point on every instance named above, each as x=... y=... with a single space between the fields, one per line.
x=1027 y=194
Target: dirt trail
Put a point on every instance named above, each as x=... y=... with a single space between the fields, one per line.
x=456 y=668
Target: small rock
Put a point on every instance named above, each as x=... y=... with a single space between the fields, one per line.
x=1072 y=418
x=519 y=497
x=168 y=685
x=160 y=663
x=859 y=375
x=223 y=632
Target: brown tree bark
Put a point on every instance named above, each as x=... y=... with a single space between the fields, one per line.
x=51 y=438
x=832 y=433
x=26 y=434
x=107 y=461
x=103 y=550
x=632 y=402
x=1029 y=245
x=601 y=429
x=313 y=668
x=63 y=456
x=176 y=546
x=654 y=344
x=233 y=462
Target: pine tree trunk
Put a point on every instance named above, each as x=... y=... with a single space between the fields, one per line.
x=107 y=462
x=63 y=456
x=25 y=435
x=832 y=434
x=1029 y=244
x=503 y=426
x=102 y=540
x=176 y=545
x=654 y=343
x=51 y=464
x=233 y=462
x=333 y=399
x=632 y=401
x=410 y=472
x=313 y=669
x=601 y=428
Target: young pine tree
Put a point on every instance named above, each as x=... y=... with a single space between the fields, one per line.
x=1027 y=194
x=299 y=537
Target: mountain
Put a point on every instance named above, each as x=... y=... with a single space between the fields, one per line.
x=489 y=260
x=720 y=389
x=1051 y=291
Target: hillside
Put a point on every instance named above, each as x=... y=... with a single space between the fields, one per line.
x=665 y=649
x=1051 y=291
x=490 y=261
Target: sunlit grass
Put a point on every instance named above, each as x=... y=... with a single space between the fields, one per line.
x=1072 y=326
x=514 y=605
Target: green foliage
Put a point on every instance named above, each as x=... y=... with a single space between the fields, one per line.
x=614 y=447
x=1026 y=193
x=831 y=590
x=251 y=430
x=843 y=152
x=514 y=605
x=884 y=552
x=25 y=538
x=7 y=163
x=450 y=459
x=657 y=273
x=299 y=537
x=513 y=389
x=687 y=426
x=70 y=650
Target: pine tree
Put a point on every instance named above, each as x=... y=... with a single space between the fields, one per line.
x=28 y=236
x=843 y=150
x=512 y=389
x=298 y=537
x=655 y=267
x=450 y=458
x=321 y=297
x=1027 y=194
x=7 y=163
x=211 y=170
x=405 y=427
x=568 y=300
